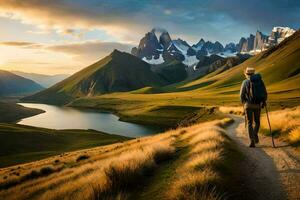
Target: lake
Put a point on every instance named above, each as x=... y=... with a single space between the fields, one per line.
x=57 y=117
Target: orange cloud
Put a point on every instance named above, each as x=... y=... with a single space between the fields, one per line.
x=65 y=18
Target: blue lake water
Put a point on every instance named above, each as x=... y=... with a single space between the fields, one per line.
x=57 y=117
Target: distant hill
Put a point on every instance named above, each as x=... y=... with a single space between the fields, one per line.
x=12 y=84
x=118 y=72
x=44 y=80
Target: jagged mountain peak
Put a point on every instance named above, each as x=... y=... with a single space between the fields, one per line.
x=157 y=46
x=165 y=39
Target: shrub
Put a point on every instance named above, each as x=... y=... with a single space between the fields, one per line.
x=46 y=171
x=82 y=157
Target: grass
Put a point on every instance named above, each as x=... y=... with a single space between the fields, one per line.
x=202 y=174
x=151 y=111
x=279 y=67
x=286 y=122
x=120 y=170
x=12 y=112
x=236 y=110
x=19 y=143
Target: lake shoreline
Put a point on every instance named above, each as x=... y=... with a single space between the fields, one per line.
x=84 y=118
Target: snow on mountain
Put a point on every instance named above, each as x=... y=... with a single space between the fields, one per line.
x=190 y=60
x=226 y=54
x=181 y=45
x=154 y=61
x=278 y=34
x=199 y=45
x=157 y=47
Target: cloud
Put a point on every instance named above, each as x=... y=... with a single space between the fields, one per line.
x=92 y=50
x=86 y=51
x=261 y=14
x=22 y=44
x=17 y=43
x=128 y=20
x=68 y=17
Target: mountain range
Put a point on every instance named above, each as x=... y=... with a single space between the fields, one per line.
x=118 y=72
x=156 y=49
x=12 y=84
x=42 y=79
x=124 y=72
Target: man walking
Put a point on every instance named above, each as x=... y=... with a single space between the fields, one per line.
x=253 y=95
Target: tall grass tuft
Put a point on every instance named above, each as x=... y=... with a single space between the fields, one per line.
x=286 y=122
x=198 y=177
x=127 y=171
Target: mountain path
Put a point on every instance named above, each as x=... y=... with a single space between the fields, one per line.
x=269 y=173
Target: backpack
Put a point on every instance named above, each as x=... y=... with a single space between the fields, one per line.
x=257 y=92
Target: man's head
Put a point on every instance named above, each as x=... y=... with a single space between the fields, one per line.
x=249 y=71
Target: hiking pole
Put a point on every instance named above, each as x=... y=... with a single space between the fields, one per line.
x=245 y=116
x=273 y=143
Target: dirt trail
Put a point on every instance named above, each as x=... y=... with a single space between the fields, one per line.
x=270 y=173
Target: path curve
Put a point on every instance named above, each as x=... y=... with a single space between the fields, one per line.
x=269 y=173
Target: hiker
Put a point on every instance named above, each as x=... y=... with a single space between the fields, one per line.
x=253 y=96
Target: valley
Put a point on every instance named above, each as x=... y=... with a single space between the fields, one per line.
x=161 y=119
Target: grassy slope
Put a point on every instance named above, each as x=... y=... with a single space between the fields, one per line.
x=187 y=163
x=285 y=125
x=19 y=143
x=12 y=112
x=117 y=72
x=279 y=66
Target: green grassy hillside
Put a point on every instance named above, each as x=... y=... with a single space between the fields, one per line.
x=11 y=84
x=19 y=143
x=279 y=66
x=187 y=163
x=117 y=72
x=12 y=112
x=172 y=72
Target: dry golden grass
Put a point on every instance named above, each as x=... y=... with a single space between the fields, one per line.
x=198 y=177
x=286 y=122
x=113 y=171
x=294 y=135
x=82 y=170
x=237 y=110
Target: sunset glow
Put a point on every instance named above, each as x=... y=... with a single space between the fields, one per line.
x=41 y=36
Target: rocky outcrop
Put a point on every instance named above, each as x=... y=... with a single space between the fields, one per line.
x=165 y=39
x=231 y=47
x=260 y=41
x=278 y=34
x=156 y=51
x=149 y=46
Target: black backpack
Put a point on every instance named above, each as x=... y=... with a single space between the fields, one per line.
x=257 y=91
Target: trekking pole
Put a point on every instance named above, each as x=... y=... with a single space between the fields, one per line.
x=245 y=116
x=273 y=143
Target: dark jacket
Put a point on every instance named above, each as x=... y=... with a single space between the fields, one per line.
x=245 y=92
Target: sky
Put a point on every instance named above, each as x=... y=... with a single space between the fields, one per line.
x=64 y=36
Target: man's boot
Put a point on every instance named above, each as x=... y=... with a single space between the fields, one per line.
x=252 y=144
